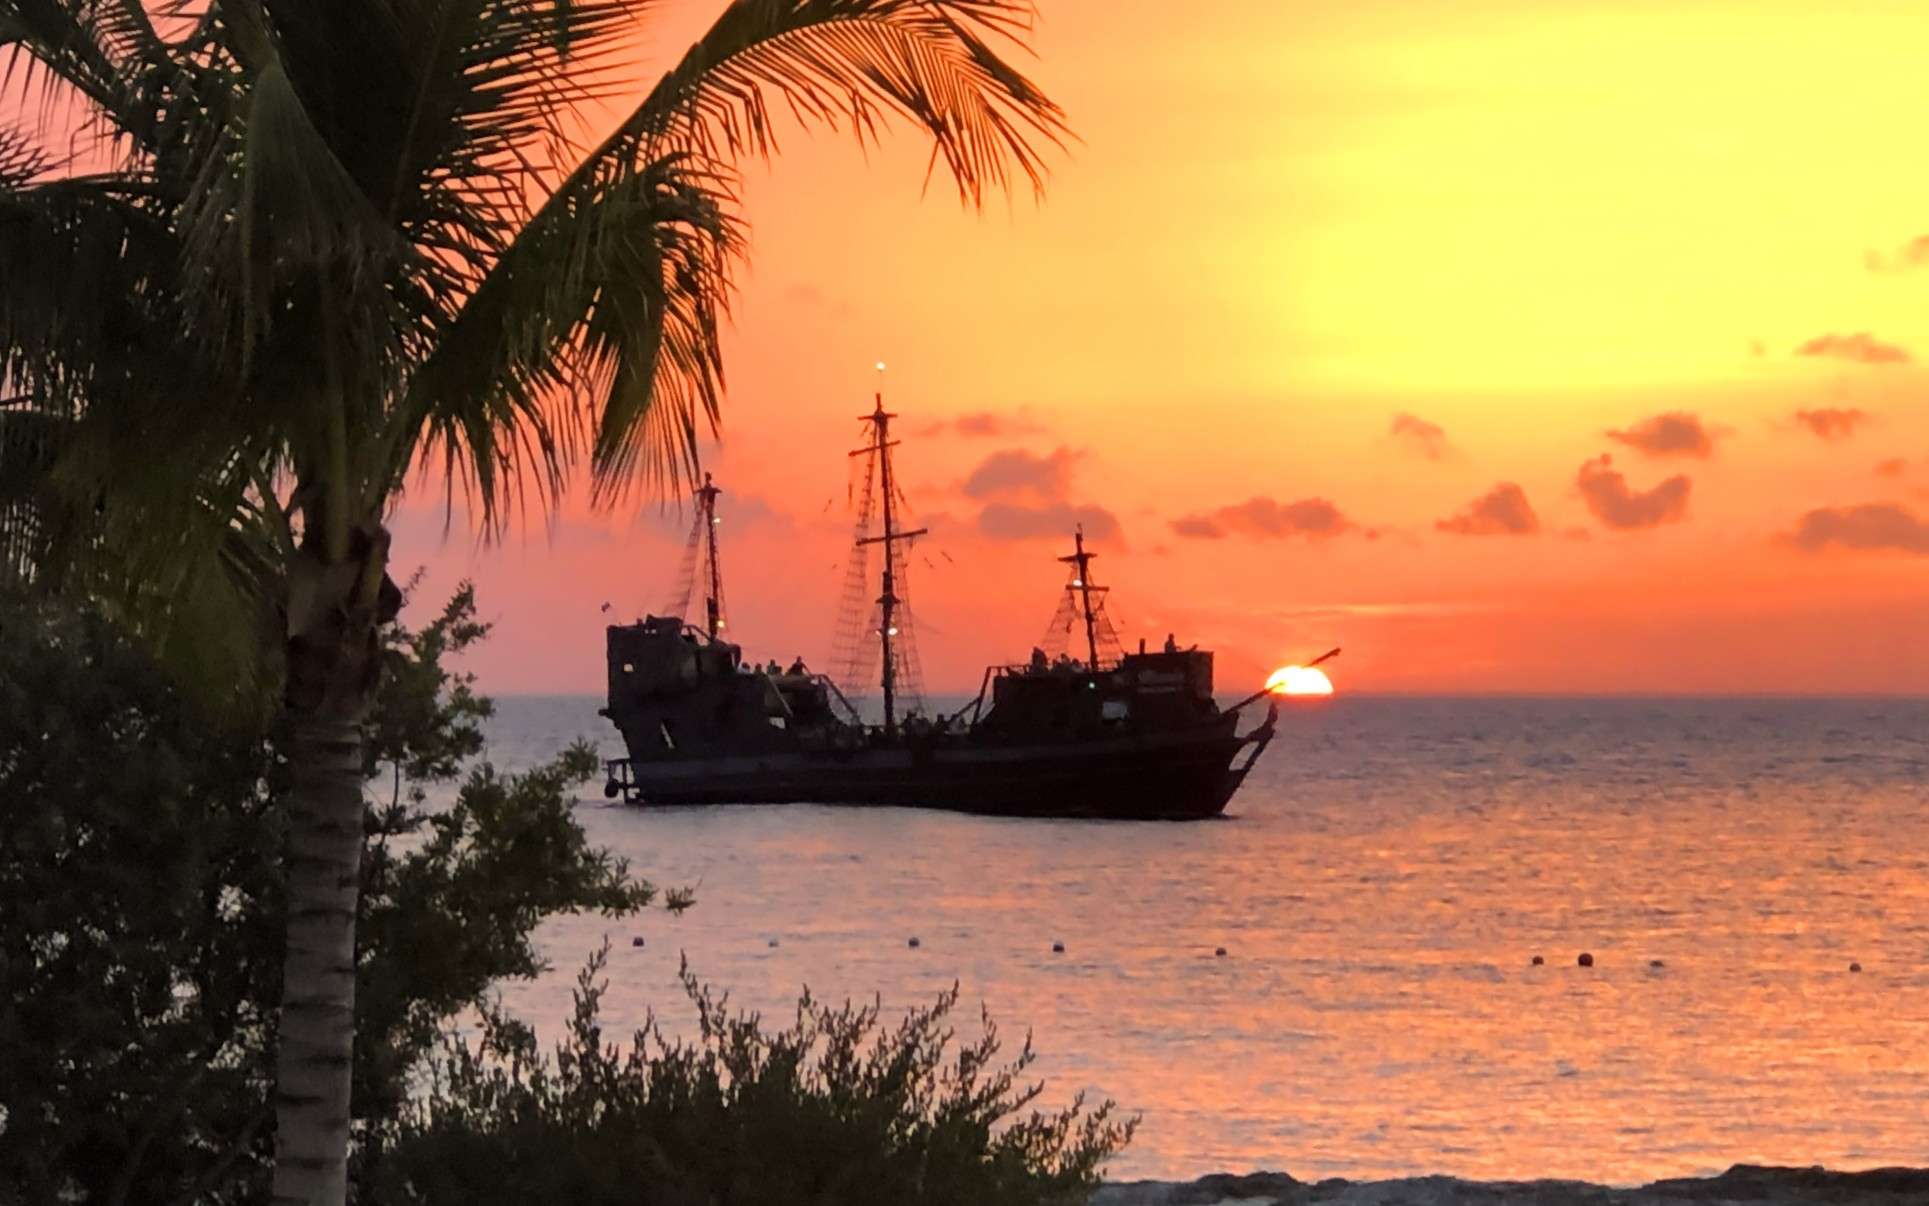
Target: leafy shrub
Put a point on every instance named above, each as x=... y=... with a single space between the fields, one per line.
x=837 y=1107
x=141 y=907
x=140 y=959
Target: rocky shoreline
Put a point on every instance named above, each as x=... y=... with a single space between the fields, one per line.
x=1742 y=1185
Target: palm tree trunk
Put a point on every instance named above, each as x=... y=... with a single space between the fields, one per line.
x=335 y=609
x=315 y=1048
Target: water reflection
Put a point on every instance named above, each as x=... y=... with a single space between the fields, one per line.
x=1391 y=868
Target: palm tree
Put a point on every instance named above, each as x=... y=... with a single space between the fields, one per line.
x=262 y=261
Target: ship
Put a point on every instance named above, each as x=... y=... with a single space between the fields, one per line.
x=1091 y=731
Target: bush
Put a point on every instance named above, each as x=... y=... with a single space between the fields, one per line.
x=139 y=926
x=141 y=907
x=140 y=970
x=837 y=1107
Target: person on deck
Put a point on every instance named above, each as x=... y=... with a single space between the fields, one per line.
x=1038 y=662
x=797 y=667
x=1171 y=646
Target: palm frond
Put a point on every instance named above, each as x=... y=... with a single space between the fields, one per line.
x=603 y=329
x=851 y=64
x=606 y=311
x=82 y=65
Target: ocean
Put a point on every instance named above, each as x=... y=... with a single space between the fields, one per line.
x=1380 y=886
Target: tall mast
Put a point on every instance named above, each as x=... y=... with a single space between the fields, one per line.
x=881 y=445
x=1083 y=583
x=713 y=596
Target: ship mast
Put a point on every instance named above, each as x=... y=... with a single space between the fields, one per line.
x=702 y=572
x=1083 y=584
x=880 y=446
x=713 y=580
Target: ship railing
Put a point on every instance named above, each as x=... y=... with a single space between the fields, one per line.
x=1260 y=738
x=850 y=709
x=1018 y=670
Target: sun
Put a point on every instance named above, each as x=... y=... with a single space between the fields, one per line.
x=1299 y=680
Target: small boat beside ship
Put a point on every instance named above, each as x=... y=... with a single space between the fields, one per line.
x=1114 y=734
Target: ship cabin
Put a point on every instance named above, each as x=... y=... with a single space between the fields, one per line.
x=676 y=692
x=1067 y=699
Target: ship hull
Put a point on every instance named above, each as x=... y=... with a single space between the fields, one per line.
x=1175 y=776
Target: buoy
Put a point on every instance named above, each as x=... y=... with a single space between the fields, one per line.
x=1855 y=967
x=1586 y=960
x=1219 y=951
x=638 y=941
x=1538 y=961
x=1058 y=948
x=913 y=944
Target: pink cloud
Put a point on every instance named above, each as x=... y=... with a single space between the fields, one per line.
x=1427 y=439
x=1014 y=521
x=1312 y=518
x=1831 y=422
x=986 y=424
x=1861 y=348
x=1867 y=527
x=1913 y=254
x=1616 y=504
x=1502 y=511
x=1015 y=471
x=1676 y=433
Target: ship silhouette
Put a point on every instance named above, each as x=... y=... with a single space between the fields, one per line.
x=1128 y=735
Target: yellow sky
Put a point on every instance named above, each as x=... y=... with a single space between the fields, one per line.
x=1287 y=223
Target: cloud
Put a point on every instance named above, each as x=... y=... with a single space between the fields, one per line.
x=1502 y=511
x=1861 y=348
x=1014 y=521
x=1427 y=439
x=1892 y=467
x=1883 y=526
x=1197 y=527
x=1913 y=254
x=1313 y=518
x=810 y=297
x=986 y=424
x=1830 y=422
x=1015 y=471
x=1609 y=497
x=1676 y=433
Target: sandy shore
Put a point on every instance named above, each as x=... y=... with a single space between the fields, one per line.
x=1742 y=1184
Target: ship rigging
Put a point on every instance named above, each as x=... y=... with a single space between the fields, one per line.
x=702 y=565
x=878 y=631
x=1082 y=608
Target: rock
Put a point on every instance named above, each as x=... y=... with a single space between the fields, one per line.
x=1795 y=1187
x=1742 y=1184
x=1219 y=1189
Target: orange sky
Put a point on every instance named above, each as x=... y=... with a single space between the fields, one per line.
x=1521 y=225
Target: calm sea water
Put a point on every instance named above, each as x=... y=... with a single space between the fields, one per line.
x=1380 y=886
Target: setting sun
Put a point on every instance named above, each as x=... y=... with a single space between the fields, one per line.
x=1299 y=680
